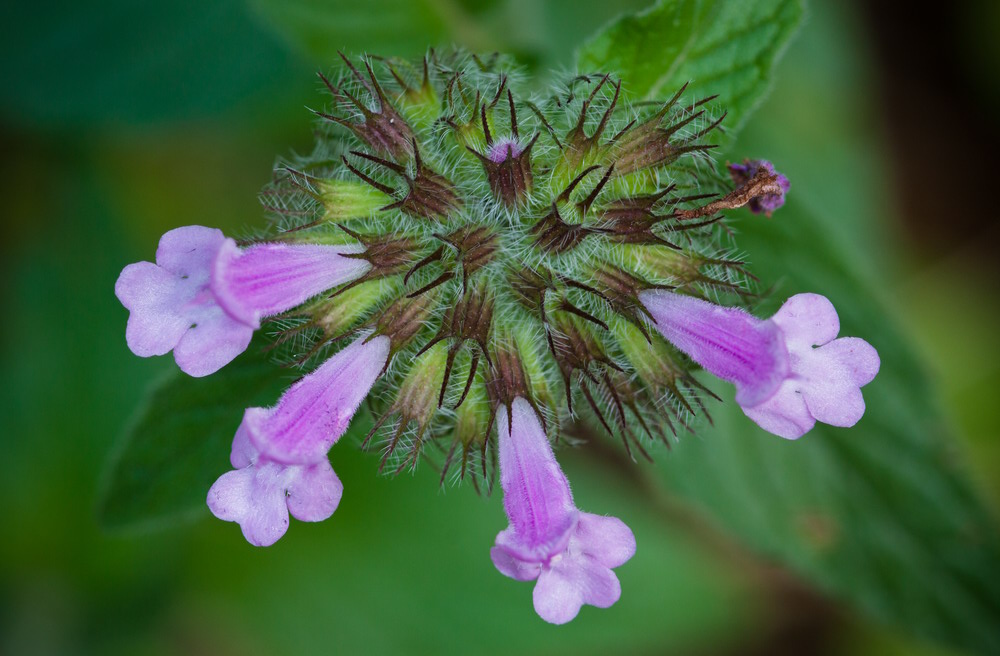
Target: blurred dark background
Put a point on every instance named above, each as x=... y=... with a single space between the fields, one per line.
x=119 y=121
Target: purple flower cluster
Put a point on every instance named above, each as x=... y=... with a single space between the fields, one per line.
x=477 y=280
x=205 y=296
x=203 y=299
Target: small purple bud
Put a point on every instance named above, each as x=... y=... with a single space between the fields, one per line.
x=260 y=493
x=316 y=411
x=768 y=202
x=504 y=149
x=782 y=382
x=507 y=164
x=570 y=553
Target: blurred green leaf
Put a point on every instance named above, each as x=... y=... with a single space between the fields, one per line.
x=881 y=514
x=74 y=64
x=724 y=47
x=180 y=441
x=387 y=27
x=403 y=567
x=536 y=31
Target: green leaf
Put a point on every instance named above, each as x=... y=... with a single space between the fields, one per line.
x=880 y=514
x=180 y=441
x=724 y=47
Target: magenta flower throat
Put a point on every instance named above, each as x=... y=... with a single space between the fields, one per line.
x=488 y=269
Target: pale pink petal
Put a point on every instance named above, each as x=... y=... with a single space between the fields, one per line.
x=229 y=496
x=153 y=298
x=558 y=595
x=260 y=493
x=829 y=390
x=243 y=454
x=785 y=414
x=823 y=382
x=571 y=582
x=807 y=320
x=857 y=355
x=569 y=552
x=267 y=518
x=314 y=493
x=513 y=567
x=171 y=307
x=188 y=252
x=605 y=539
x=254 y=497
x=212 y=342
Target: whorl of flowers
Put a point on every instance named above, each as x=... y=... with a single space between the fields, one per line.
x=487 y=266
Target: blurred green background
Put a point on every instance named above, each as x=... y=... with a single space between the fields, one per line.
x=122 y=120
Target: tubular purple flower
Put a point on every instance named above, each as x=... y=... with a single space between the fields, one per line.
x=513 y=278
x=316 y=411
x=266 y=279
x=260 y=493
x=790 y=371
x=204 y=297
x=570 y=553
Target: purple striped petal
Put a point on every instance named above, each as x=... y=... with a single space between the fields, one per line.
x=266 y=279
x=536 y=496
x=314 y=412
x=728 y=342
